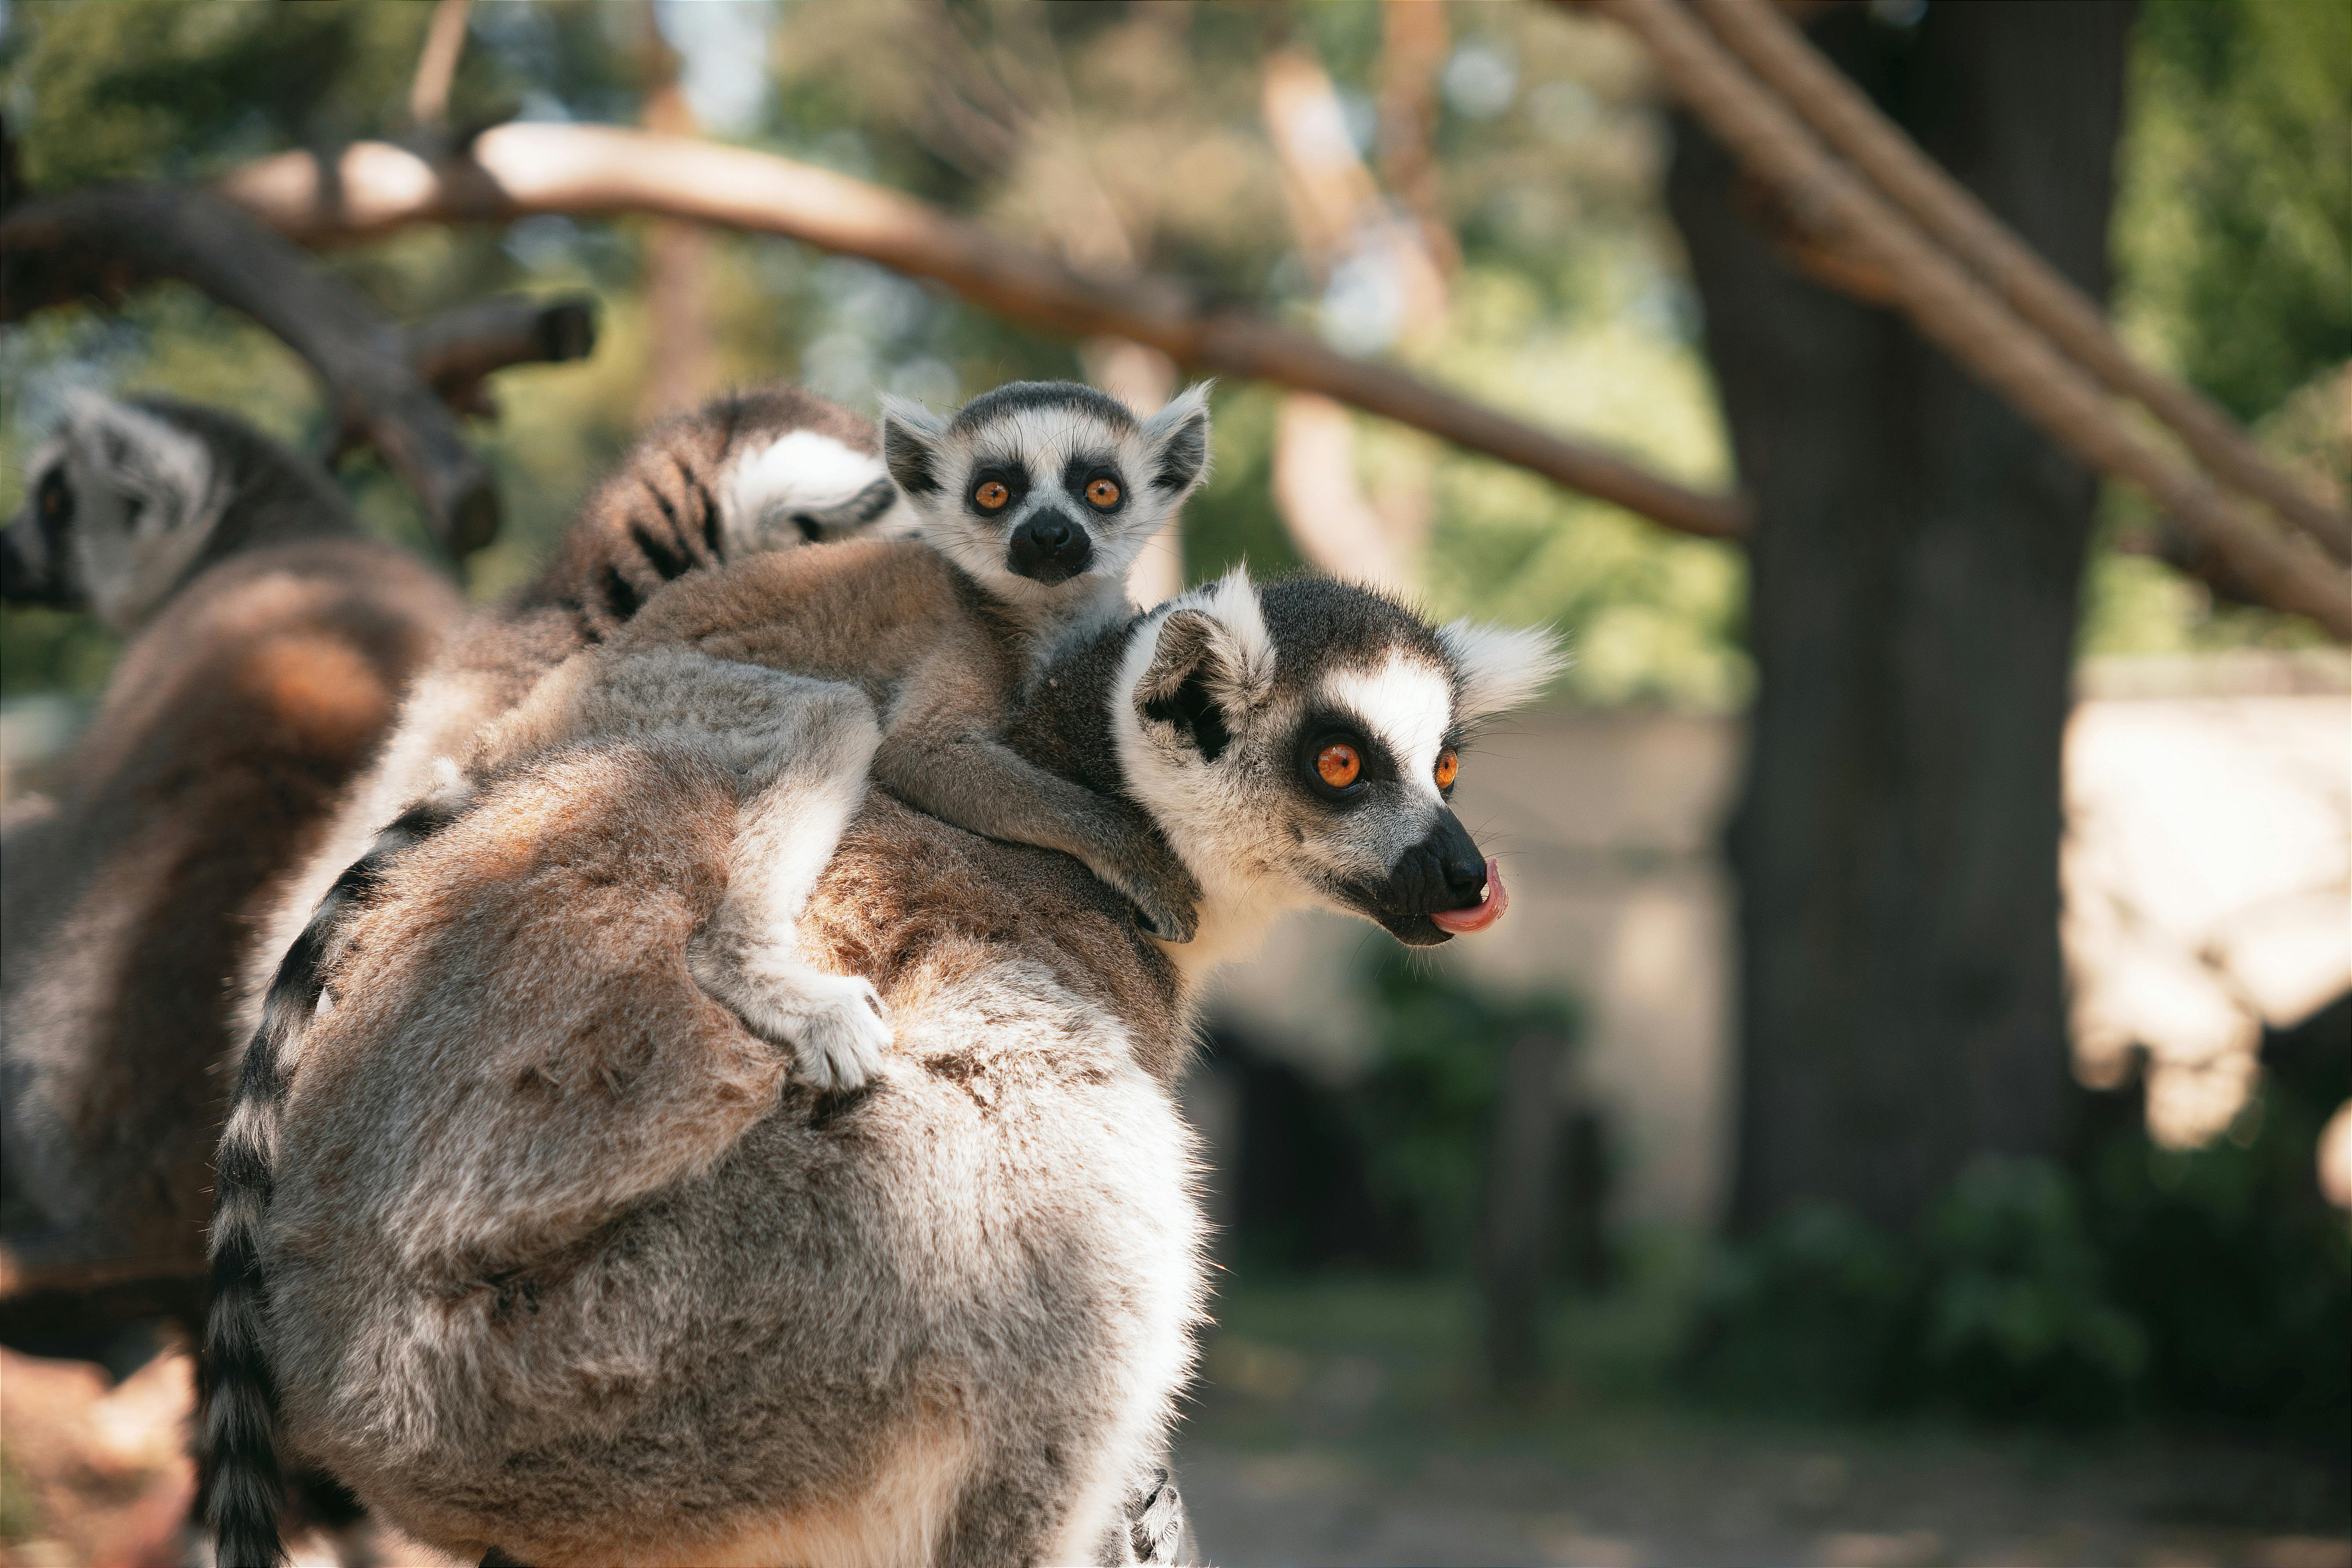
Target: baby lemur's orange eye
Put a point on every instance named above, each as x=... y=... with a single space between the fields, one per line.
x=1337 y=765
x=992 y=496
x=1448 y=765
x=1103 y=493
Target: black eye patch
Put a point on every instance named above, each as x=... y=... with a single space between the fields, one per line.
x=1009 y=472
x=1080 y=474
x=1374 y=762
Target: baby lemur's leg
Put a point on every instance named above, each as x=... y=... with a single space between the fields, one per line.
x=799 y=750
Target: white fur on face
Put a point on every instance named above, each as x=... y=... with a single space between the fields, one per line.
x=797 y=472
x=144 y=505
x=1041 y=442
x=1408 y=704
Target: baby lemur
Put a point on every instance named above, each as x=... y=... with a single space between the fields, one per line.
x=1038 y=496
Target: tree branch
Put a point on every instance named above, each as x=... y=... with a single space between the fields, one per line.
x=1844 y=117
x=456 y=351
x=515 y=170
x=101 y=244
x=1952 y=309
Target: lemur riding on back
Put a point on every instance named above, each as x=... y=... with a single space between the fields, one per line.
x=1032 y=502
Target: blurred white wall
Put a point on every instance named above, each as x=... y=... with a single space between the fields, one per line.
x=1606 y=824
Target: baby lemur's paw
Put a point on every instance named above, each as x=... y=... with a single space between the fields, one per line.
x=832 y=1023
x=1166 y=896
x=840 y=1038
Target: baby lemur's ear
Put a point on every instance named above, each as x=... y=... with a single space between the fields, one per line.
x=914 y=443
x=1209 y=663
x=1498 y=667
x=1176 y=440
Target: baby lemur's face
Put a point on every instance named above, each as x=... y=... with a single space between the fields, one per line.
x=1045 y=489
x=1299 y=743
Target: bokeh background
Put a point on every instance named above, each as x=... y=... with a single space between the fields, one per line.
x=2128 y=1341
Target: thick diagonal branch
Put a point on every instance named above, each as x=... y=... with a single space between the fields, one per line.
x=515 y=171
x=1843 y=116
x=1964 y=318
x=101 y=244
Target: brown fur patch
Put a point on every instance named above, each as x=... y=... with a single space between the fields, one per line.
x=228 y=730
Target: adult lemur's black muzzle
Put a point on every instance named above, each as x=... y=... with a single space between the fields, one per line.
x=1437 y=888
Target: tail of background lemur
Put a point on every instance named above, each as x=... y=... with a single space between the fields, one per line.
x=244 y=1484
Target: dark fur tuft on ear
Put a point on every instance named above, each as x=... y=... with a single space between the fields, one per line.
x=1177 y=436
x=912 y=435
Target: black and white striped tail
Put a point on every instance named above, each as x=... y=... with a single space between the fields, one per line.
x=245 y=1485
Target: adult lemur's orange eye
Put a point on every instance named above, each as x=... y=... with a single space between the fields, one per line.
x=1103 y=493
x=1336 y=764
x=1448 y=765
x=992 y=496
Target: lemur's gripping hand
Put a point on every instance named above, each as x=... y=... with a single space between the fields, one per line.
x=833 y=1024
x=1136 y=860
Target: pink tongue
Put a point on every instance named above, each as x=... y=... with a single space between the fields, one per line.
x=1462 y=923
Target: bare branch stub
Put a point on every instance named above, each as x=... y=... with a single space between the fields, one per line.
x=456 y=351
x=588 y=171
x=101 y=244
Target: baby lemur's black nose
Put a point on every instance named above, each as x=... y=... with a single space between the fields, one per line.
x=1049 y=548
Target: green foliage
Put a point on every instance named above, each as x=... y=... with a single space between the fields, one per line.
x=2241 y=1274
x=2017 y=1320
x=2234 y=227
x=2232 y=249
x=1810 y=1314
x=1424 y=1110
x=2210 y=1282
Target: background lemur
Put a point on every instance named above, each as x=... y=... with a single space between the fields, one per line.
x=272 y=644
x=559 y=1262
x=752 y=472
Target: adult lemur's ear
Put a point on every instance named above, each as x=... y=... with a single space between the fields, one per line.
x=912 y=443
x=1177 y=439
x=1497 y=667
x=1209 y=663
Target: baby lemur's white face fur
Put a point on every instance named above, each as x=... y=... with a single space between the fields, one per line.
x=1046 y=491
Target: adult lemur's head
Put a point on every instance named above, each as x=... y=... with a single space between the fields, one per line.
x=128 y=500
x=1045 y=491
x=1299 y=744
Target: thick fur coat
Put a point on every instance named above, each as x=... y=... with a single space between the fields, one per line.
x=595 y=1224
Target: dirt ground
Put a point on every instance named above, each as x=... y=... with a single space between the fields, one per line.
x=1672 y=1489
x=1345 y=1422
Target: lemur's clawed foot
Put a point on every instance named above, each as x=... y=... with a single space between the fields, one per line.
x=833 y=1024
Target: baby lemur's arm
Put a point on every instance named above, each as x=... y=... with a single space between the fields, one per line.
x=941 y=753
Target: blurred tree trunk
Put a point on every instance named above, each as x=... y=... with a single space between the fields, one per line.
x=680 y=363
x=1916 y=564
